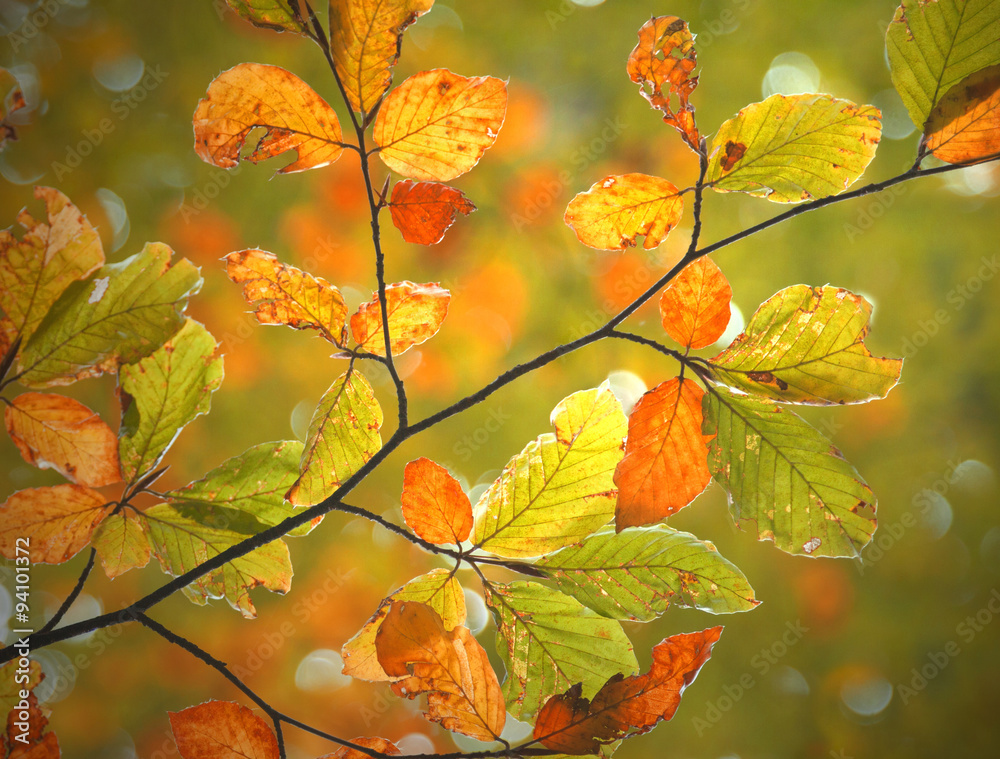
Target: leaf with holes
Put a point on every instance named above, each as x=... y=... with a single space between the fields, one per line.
x=694 y=309
x=423 y=211
x=58 y=521
x=27 y=734
x=222 y=730
x=434 y=505
x=616 y=210
x=121 y=543
x=416 y=313
x=965 y=126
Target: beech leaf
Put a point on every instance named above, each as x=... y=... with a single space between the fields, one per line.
x=434 y=505
x=34 y=742
x=11 y=100
x=965 y=125
x=58 y=521
x=280 y=15
x=376 y=744
x=694 y=308
x=222 y=730
x=121 y=543
x=415 y=312
x=423 y=211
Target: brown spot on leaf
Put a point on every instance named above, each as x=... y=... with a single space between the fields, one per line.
x=734 y=152
x=768 y=378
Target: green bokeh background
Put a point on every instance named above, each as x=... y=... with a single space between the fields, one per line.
x=925 y=255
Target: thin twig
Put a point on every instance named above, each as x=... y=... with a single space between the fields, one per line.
x=73 y=595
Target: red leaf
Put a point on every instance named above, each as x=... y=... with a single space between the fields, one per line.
x=434 y=505
x=423 y=211
x=695 y=307
x=376 y=744
x=222 y=730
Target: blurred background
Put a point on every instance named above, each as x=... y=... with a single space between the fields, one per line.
x=842 y=659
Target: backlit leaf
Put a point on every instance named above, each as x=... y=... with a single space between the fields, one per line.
x=343 y=436
x=575 y=725
x=31 y=741
x=122 y=314
x=365 y=40
x=662 y=65
x=434 y=505
x=785 y=480
x=377 y=744
x=162 y=393
x=253 y=95
x=463 y=693
x=283 y=294
x=694 y=308
x=665 y=467
x=58 y=521
x=415 y=314
x=11 y=100
x=53 y=431
x=806 y=345
x=560 y=488
x=933 y=46
x=423 y=211
x=549 y=641
x=9 y=687
x=438 y=589
x=280 y=15
x=965 y=125
x=616 y=210
x=637 y=573
x=121 y=543
x=436 y=125
x=792 y=148
x=222 y=730
x=37 y=269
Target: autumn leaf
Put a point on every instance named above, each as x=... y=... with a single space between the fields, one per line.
x=121 y=543
x=53 y=431
x=343 y=436
x=665 y=464
x=434 y=505
x=34 y=742
x=58 y=521
x=965 y=125
x=637 y=573
x=122 y=314
x=376 y=744
x=932 y=46
x=463 y=693
x=11 y=99
x=785 y=480
x=549 y=641
x=616 y=210
x=36 y=270
x=574 y=725
x=164 y=392
x=253 y=95
x=694 y=308
x=560 y=488
x=10 y=688
x=423 y=211
x=416 y=313
x=365 y=39
x=662 y=65
x=436 y=125
x=806 y=345
x=280 y=15
x=438 y=589
x=222 y=730
x=792 y=148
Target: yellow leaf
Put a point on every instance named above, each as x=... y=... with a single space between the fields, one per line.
x=415 y=314
x=57 y=522
x=616 y=210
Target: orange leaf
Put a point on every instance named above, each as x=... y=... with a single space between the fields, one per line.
x=58 y=521
x=253 y=95
x=612 y=213
x=666 y=456
x=434 y=505
x=377 y=744
x=415 y=314
x=286 y=295
x=965 y=125
x=662 y=64
x=573 y=725
x=423 y=211
x=35 y=743
x=365 y=40
x=695 y=307
x=436 y=125
x=222 y=730
x=463 y=693
x=53 y=431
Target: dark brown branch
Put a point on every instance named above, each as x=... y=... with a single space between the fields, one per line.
x=73 y=595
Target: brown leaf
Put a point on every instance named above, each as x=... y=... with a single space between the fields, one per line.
x=57 y=520
x=436 y=125
x=695 y=307
x=34 y=743
x=222 y=730
x=573 y=725
x=53 y=431
x=423 y=211
x=376 y=744
x=463 y=693
x=666 y=456
x=434 y=505
x=662 y=64
x=253 y=95
x=415 y=314
x=965 y=124
x=616 y=210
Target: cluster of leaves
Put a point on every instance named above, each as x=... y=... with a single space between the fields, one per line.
x=579 y=510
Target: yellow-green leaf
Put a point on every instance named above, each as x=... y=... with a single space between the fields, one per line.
x=121 y=543
x=280 y=15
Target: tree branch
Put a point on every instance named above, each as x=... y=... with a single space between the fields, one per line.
x=73 y=595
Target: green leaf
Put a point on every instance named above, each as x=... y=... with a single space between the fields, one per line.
x=121 y=543
x=784 y=479
x=560 y=488
x=122 y=314
x=637 y=573
x=280 y=15
x=794 y=148
x=806 y=345
x=183 y=537
x=162 y=393
x=549 y=642
x=933 y=46
x=343 y=436
x=255 y=482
